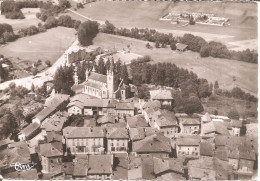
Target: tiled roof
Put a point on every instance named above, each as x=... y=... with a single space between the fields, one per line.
x=151 y=131
x=51 y=149
x=152 y=104
x=217 y=127
x=24 y=175
x=137 y=121
x=80 y=167
x=82 y=100
x=221 y=153
x=153 y=144
x=52 y=103
x=188 y=140
x=94 y=85
x=171 y=176
x=98 y=77
x=68 y=168
x=167 y=164
x=114 y=133
x=54 y=137
x=236 y=123
x=206 y=118
x=77 y=87
x=54 y=123
x=189 y=121
x=204 y=167
x=136 y=134
x=161 y=95
x=164 y=118
x=84 y=132
x=206 y=149
x=30 y=129
x=106 y=119
x=100 y=164
x=125 y=106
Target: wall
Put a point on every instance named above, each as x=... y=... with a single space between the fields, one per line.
x=189 y=129
x=117 y=144
x=187 y=150
x=125 y=112
x=74 y=110
x=233 y=162
x=86 y=145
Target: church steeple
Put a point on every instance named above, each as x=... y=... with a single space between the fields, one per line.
x=76 y=77
x=110 y=80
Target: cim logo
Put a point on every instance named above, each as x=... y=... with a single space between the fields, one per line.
x=23 y=166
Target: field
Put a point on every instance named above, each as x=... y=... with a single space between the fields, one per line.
x=30 y=19
x=210 y=68
x=243 y=18
x=49 y=45
x=224 y=104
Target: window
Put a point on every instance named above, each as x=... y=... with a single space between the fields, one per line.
x=195 y=149
x=112 y=144
x=51 y=161
x=73 y=142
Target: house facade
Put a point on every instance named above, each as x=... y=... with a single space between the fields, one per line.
x=188 y=146
x=84 y=140
x=189 y=125
x=117 y=140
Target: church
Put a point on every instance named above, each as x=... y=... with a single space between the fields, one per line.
x=97 y=85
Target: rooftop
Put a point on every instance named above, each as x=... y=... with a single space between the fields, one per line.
x=30 y=129
x=98 y=77
x=117 y=133
x=136 y=134
x=161 y=95
x=83 y=132
x=167 y=164
x=188 y=140
x=137 y=121
x=51 y=149
x=206 y=149
x=100 y=164
x=125 y=106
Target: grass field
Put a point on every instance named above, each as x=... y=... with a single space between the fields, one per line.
x=30 y=19
x=49 y=45
x=243 y=17
x=210 y=68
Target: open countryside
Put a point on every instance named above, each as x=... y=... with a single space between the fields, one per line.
x=210 y=68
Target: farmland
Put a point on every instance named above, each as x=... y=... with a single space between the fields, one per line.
x=49 y=45
x=29 y=20
x=210 y=68
x=243 y=19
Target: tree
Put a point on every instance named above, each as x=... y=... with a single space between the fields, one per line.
x=101 y=67
x=80 y=5
x=233 y=114
x=157 y=44
x=216 y=86
x=205 y=51
x=64 y=4
x=109 y=27
x=87 y=32
x=173 y=45
x=48 y=63
x=191 y=20
x=124 y=74
x=143 y=92
x=3 y=73
x=148 y=46
x=192 y=105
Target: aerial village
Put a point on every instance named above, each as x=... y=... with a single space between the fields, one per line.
x=123 y=112
x=124 y=137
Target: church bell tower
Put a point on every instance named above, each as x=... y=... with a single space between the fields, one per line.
x=110 y=81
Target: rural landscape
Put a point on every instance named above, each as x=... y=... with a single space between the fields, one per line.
x=132 y=90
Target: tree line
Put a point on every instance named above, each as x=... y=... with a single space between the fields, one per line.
x=195 y=43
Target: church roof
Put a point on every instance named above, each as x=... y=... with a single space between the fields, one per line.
x=94 y=85
x=98 y=77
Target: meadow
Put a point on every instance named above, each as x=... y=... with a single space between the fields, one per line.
x=210 y=68
x=49 y=45
x=243 y=17
x=29 y=20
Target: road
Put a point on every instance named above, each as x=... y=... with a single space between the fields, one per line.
x=41 y=77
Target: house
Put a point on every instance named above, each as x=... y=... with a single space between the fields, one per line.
x=188 y=146
x=168 y=167
x=107 y=119
x=156 y=145
x=117 y=140
x=206 y=118
x=164 y=121
x=189 y=125
x=164 y=96
x=82 y=104
x=213 y=128
x=181 y=47
x=24 y=175
x=68 y=169
x=236 y=126
x=125 y=109
x=209 y=169
x=80 y=168
x=55 y=122
x=53 y=136
x=57 y=102
x=136 y=134
x=148 y=107
x=206 y=149
x=137 y=121
x=29 y=132
x=84 y=140
x=51 y=157
x=100 y=167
